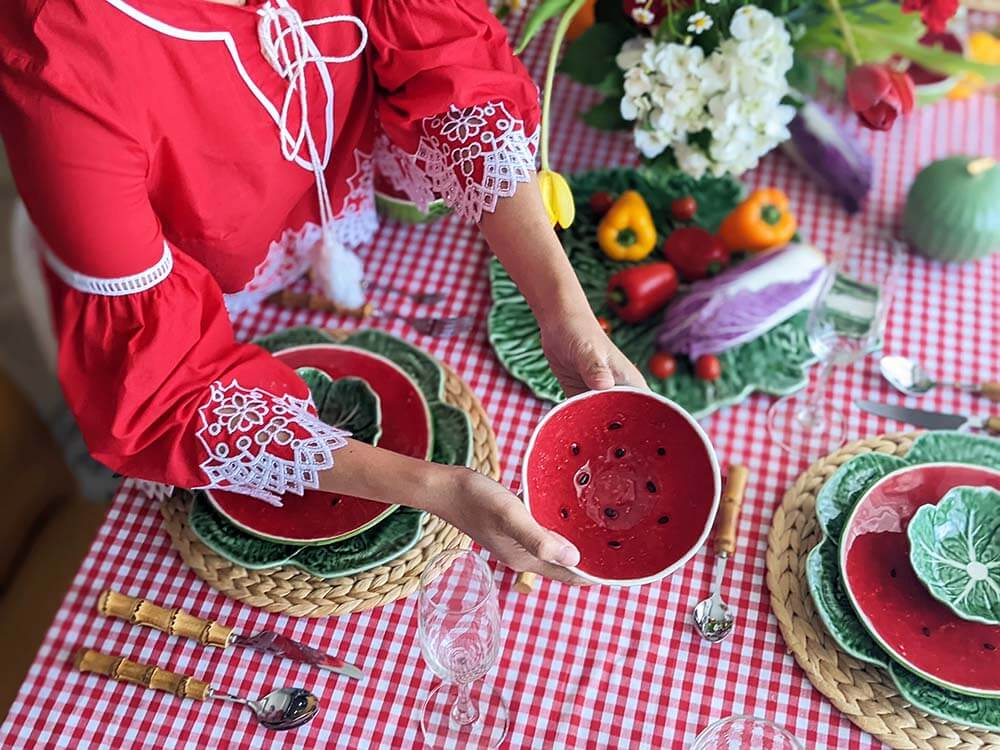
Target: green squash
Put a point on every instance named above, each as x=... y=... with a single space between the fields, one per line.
x=953 y=209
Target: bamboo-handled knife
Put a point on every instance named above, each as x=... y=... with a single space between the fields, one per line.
x=211 y=633
x=932 y=420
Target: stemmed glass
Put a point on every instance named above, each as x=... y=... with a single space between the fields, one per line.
x=846 y=321
x=459 y=629
x=743 y=732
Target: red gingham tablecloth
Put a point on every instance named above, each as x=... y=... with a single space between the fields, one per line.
x=580 y=668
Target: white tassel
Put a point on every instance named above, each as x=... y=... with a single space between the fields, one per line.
x=339 y=272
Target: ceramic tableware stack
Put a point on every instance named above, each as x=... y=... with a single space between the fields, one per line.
x=906 y=576
x=387 y=393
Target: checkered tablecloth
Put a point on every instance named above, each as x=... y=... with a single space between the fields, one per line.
x=580 y=668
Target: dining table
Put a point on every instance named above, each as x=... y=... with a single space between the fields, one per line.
x=580 y=667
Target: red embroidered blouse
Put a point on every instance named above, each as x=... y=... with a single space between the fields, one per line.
x=168 y=152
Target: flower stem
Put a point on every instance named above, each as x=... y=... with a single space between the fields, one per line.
x=845 y=28
x=550 y=74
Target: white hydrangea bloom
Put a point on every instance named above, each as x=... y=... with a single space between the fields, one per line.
x=673 y=91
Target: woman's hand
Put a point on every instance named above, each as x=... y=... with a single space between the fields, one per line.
x=501 y=523
x=580 y=353
x=583 y=357
x=478 y=506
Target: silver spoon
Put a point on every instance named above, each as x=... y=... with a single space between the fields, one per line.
x=911 y=378
x=713 y=619
x=285 y=708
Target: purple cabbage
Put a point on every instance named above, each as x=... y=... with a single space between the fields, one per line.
x=743 y=302
x=824 y=150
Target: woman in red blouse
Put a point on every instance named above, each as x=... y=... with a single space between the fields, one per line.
x=183 y=159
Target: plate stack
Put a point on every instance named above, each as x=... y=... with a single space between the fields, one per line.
x=904 y=579
x=321 y=554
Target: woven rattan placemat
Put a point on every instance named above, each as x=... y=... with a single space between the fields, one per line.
x=294 y=592
x=863 y=692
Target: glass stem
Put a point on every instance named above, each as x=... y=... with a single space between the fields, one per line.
x=465 y=711
x=811 y=415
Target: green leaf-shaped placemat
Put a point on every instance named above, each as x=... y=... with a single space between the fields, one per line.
x=347 y=403
x=379 y=544
x=955 y=551
x=833 y=506
x=774 y=363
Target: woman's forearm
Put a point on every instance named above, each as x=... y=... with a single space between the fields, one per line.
x=379 y=474
x=521 y=236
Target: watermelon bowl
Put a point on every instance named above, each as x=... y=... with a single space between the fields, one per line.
x=629 y=477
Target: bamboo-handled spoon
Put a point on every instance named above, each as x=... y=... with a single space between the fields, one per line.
x=285 y=708
x=712 y=617
x=911 y=378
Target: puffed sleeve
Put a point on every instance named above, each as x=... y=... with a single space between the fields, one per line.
x=147 y=357
x=459 y=113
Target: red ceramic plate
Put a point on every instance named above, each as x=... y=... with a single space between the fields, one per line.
x=917 y=630
x=318 y=517
x=627 y=476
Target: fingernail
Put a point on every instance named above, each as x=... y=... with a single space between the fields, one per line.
x=568 y=556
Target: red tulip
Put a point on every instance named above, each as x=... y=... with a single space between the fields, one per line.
x=879 y=94
x=934 y=13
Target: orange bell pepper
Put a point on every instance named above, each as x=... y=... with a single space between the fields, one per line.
x=627 y=231
x=761 y=222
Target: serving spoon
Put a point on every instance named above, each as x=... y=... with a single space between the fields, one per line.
x=285 y=708
x=713 y=619
x=911 y=378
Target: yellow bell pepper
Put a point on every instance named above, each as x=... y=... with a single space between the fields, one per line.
x=981 y=47
x=627 y=231
x=761 y=222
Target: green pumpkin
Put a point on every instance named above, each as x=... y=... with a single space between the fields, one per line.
x=953 y=209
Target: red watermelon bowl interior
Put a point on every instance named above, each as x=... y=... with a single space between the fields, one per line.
x=920 y=632
x=629 y=477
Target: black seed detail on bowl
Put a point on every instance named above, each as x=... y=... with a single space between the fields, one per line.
x=619 y=452
x=583 y=479
x=564 y=512
x=989 y=647
x=926 y=631
x=663 y=519
x=334 y=501
x=611 y=513
x=893 y=572
x=575 y=449
x=615 y=426
x=661 y=451
x=651 y=486
x=615 y=545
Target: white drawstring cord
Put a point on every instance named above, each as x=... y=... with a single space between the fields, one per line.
x=287 y=46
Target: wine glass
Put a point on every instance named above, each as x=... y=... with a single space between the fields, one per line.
x=743 y=732
x=846 y=321
x=459 y=630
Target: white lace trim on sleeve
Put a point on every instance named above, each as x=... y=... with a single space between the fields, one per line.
x=471 y=157
x=263 y=445
x=113 y=287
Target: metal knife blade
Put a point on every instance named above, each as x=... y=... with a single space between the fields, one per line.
x=279 y=645
x=932 y=420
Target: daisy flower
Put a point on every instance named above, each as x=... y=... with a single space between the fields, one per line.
x=644 y=16
x=699 y=22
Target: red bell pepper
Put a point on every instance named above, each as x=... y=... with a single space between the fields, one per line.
x=695 y=252
x=636 y=293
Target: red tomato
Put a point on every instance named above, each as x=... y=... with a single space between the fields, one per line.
x=605 y=325
x=684 y=209
x=708 y=367
x=662 y=365
x=601 y=203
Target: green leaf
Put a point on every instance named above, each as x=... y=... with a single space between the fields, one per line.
x=543 y=12
x=933 y=58
x=591 y=58
x=606 y=115
x=613 y=12
x=612 y=85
